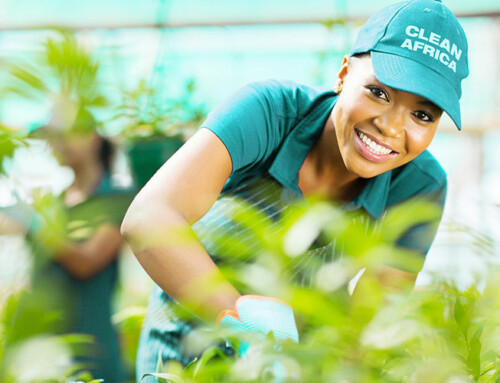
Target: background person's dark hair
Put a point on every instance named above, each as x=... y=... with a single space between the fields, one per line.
x=106 y=152
x=84 y=123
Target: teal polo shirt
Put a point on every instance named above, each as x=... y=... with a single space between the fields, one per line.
x=269 y=127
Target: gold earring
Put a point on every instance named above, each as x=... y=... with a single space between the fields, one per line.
x=338 y=86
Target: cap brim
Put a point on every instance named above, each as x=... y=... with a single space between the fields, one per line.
x=410 y=76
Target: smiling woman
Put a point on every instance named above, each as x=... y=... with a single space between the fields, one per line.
x=379 y=128
x=362 y=145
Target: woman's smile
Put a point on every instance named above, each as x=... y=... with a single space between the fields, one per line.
x=371 y=148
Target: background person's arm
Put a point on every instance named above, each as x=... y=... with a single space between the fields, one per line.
x=158 y=225
x=86 y=259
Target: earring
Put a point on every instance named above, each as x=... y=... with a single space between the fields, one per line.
x=338 y=86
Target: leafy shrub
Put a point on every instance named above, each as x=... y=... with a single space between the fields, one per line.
x=380 y=333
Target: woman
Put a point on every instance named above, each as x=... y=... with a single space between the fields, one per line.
x=363 y=145
x=76 y=276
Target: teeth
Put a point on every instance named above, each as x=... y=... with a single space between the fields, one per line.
x=372 y=146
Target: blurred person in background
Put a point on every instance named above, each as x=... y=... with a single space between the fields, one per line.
x=361 y=145
x=75 y=271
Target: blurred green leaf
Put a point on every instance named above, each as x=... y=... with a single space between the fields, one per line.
x=207 y=356
x=10 y=140
x=165 y=376
x=27 y=77
x=401 y=217
x=462 y=318
x=474 y=359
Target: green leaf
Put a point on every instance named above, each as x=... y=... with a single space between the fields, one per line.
x=461 y=318
x=78 y=373
x=99 y=101
x=190 y=368
x=209 y=354
x=10 y=140
x=165 y=376
x=474 y=358
x=400 y=218
x=159 y=363
x=77 y=338
x=29 y=79
x=479 y=331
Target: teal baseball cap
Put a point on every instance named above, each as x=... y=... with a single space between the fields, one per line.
x=418 y=46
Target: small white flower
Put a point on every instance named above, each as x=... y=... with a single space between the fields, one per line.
x=34 y=168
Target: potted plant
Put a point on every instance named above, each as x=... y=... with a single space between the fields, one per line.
x=155 y=127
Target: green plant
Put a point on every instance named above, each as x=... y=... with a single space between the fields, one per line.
x=129 y=321
x=377 y=334
x=144 y=114
x=28 y=350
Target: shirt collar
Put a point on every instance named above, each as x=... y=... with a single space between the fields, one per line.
x=287 y=163
x=373 y=197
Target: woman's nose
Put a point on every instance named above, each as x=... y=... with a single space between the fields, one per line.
x=391 y=123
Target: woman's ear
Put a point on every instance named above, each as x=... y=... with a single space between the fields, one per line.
x=344 y=68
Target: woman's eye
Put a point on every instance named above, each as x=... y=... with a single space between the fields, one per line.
x=424 y=116
x=379 y=93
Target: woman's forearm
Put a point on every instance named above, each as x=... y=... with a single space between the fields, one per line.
x=171 y=254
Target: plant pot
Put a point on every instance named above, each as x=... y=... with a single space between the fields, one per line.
x=148 y=155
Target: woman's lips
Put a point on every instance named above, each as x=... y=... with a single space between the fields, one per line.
x=372 y=149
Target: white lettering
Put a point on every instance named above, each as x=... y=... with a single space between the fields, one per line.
x=407 y=44
x=456 y=52
x=445 y=44
x=434 y=38
x=418 y=45
x=411 y=28
x=421 y=35
x=428 y=50
x=444 y=58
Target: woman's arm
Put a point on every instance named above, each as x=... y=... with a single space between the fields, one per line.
x=157 y=225
x=86 y=259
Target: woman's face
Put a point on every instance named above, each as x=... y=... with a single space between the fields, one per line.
x=379 y=128
x=72 y=149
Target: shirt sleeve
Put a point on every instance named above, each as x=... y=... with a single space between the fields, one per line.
x=421 y=236
x=251 y=123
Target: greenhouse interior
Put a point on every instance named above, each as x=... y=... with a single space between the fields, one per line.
x=97 y=96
